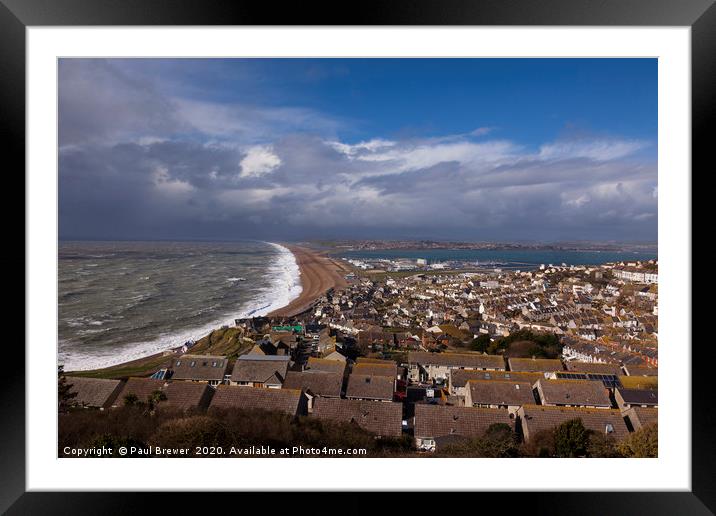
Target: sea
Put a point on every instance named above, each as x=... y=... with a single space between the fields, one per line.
x=509 y=258
x=119 y=301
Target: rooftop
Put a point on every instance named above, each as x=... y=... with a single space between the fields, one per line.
x=242 y=397
x=259 y=371
x=377 y=417
x=603 y=421
x=500 y=392
x=475 y=360
x=546 y=365
x=199 y=367
x=573 y=392
x=317 y=383
x=370 y=387
x=93 y=392
x=442 y=420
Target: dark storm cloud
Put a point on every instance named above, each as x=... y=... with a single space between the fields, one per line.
x=136 y=162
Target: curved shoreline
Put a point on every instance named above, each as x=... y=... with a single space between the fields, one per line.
x=318 y=274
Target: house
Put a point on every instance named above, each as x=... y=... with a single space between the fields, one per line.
x=502 y=394
x=593 y=367
x=610 y=381
x=179 y=395
x=286 y=337
x=255 y=370
x=370 y=387
x=326 y=365
x=335 y=355
x=460 y=377
x=94 y=392
x=637 y=370
x=315 y=384
x=426 y=366
x=438 y=425
x=232 y=397
x=376 y=368
x=544 y=365
x=639 y=382
x=537 y=418
x=186 y=396
x=628 y=398
x=573 y=393
x=379 y=418
x=639 y=417
x=200 y=368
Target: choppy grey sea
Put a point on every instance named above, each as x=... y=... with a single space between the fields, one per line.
x=118 y=301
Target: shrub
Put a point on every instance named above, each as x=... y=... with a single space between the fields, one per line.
x=481 y=343
x=191 y=432
x=571 y=439
x=541 y=444
x=498 y=441
x=603 y=446
x=642 y=443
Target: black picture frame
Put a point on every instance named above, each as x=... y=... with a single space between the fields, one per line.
x=17 y=15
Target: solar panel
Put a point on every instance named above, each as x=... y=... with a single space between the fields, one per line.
x=609 y=380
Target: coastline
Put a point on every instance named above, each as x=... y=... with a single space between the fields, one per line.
x=318 y=274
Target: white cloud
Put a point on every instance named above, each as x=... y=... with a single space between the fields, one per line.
x=259 y=160
x=397 y=157
x=578 y=202
x=481 y=131
x=370 y=146
x=599 y=150
x=168 y=185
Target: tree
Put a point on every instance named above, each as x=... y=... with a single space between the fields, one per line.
x=642 y=443
x=499 y=441
x=64 y=394
x=131 y=399
x=571 y=439
x=154 y=398
x=603 y=446
x=541 y=444
x=481 y=343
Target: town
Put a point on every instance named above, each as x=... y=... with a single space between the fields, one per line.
x=433 y=354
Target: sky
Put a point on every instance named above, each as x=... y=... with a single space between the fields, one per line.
x=294 y=149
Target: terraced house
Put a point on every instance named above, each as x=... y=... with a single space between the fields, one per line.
x=381 y=419
x=255 y=370
x=440 y=425
x=235 y=397
x=425 y=366
x=200 y=368
x=498 y=394
x=573 y=393
x=537 y=418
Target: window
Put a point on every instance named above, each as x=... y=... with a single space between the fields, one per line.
x=192 y=364
x=609 y=428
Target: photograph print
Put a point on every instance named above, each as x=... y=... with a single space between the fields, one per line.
x=357 y=257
